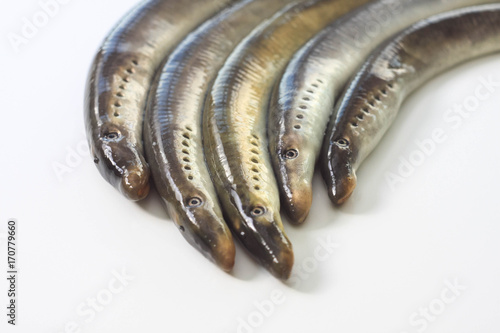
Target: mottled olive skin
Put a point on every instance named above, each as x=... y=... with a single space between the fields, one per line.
x=307 y=92
x=373 y=98
x=235 y=120
x=173 y=131
x=119 y=81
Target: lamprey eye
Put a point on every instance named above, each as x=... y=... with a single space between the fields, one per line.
x=343 y=143
x=112 y=135
x=194 y=202
x=291 y=154
x=258 y=211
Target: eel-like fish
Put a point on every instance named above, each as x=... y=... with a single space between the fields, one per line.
x=234 y=131
x=119 y=81
x=173 y=132
x=373 y=98
x=305 y=96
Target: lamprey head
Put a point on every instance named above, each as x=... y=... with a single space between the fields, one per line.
x=294 y=169
x=339 y=175
x=258 y=226
x=120 y=163
x=201 y=223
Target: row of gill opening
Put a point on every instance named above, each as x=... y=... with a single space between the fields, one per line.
x=186 y=145
x=303 y=107
x=123 y=87
x=377 y=97
x=254 y=160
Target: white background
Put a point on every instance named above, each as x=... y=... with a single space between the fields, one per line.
x=395 y=247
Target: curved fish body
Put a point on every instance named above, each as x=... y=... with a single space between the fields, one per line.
x=173 y=131
x=119 y=81
x=306 y=93
x=372 y=100
x=235 y=120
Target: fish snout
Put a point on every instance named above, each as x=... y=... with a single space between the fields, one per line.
x=342 y=188
x=294 y=174
x=225 y=253
x=135 y=184
x=217 y=247
x=298 y=204
x=282 y=268
x=338 y=171
x=267 y=241
x=208 y=233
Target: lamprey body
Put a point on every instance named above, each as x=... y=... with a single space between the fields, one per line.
x=305 y=96
x=372 y=100
x=173 y=131
x=235 y=128
x=119 y=81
